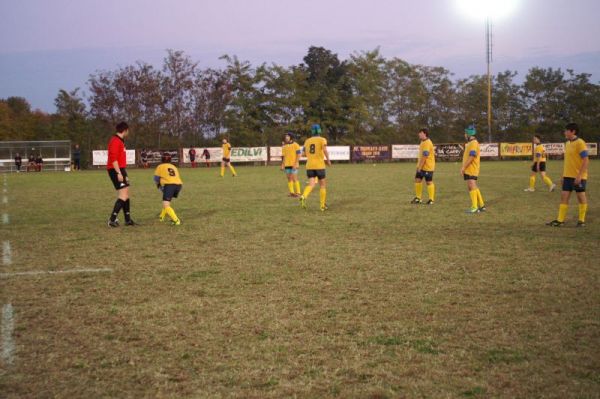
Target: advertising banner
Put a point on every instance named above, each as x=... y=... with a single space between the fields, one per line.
x=488 y=150
x=339 y=152
x=554 y=148
x=215 y=154
x=516 y=149
x=249 y=154
x=405 y=151
x=449 y=151
x=275 y=154
x=375 y=152
x=592 y=149
x=100 y=157
x=153 y=157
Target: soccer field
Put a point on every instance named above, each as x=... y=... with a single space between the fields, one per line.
x=254 y=297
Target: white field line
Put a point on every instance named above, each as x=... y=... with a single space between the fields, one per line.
x=4 y=199
x=5 y=218
x=8 y=325
x=42 y=272
x=6 y=253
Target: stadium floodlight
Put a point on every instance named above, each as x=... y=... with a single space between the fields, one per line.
x=488 y=10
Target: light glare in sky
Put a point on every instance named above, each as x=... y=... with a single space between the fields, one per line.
x=481 y=9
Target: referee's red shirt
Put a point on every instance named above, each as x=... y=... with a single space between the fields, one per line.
x=116 y=152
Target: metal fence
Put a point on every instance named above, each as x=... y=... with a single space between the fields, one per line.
x=56 y=155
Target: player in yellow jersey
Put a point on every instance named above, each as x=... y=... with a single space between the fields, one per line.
x=575 y=174
x=470 y=170
x=290 y=159
x=539 y=165
x=315 y=149
x=167 y=179
x=425 y=168
x=226 y=161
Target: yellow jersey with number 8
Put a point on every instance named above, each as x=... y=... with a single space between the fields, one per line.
x=315 y=154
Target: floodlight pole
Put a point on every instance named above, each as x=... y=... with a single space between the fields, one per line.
x=488 y=50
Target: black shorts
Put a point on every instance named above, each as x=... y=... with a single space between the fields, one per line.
x=171 y=191
x=226 y=160
x=424 y=174
x=115 y=180
x=542 y=167
x=192 y=159
x=569 y=185
x=312 y=173
x=469 y=177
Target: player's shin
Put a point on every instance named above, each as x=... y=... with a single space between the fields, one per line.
x=431 y=191
x=322 y=197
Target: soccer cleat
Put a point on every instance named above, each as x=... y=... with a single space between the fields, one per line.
x=482 y=209
x=552 y=187
x=529 y=189
x=325 y=208
x=303 y=202
x=429 y=202
x=113 y=223
x=416 y=200
x=580 y=224
x=130 y=222
x=555 y=223
x=472 y=210
x=176 y=222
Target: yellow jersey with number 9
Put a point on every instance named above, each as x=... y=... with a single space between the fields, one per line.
x=168 y=174
x=315 y=154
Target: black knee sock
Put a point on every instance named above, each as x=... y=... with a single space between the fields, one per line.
x=118 y=205
x=126 y=210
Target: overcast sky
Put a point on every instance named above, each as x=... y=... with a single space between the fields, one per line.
x=46 y=45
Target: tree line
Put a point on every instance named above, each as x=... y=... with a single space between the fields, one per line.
x=366 y=99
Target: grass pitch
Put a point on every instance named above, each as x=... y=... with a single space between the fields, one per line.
x=253 y=297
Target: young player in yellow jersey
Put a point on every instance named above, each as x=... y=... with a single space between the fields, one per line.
x=226 y=161
x=167 y=179
x=470 y=170
x=315 y=149
x=539 y=165
x=425 y=168
x=575 y=174
x=290 y=159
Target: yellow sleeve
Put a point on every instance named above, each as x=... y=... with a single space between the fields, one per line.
x=581 y=146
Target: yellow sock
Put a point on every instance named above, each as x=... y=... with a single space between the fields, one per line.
x=582 y=211
x=562 y=212
x=222 y=171
x=479 y=198
x=171 y=212
x=532 y=182
x=232 y=169
x=291 y=187
x=307 y=191
x=163 y=213
x=431 y=191
x=297 y=184
x=418 y=190
x=473 y=195
x=548 y=181
x=322 y=197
